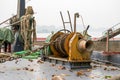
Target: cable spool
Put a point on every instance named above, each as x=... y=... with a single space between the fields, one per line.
x=59 y=45
x=58 y=41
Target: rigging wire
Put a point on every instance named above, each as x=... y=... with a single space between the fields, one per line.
x=82 y=21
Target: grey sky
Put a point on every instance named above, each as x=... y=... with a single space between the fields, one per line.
x=99 y=14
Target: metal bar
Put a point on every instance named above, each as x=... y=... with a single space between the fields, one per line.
x=74 y=22
x=107 y=42
x=111 y=53
x=70 y=21
x=86 y=30
x=13 y=23
x=76 y=15
x=7 y=20
x=66 y=22
x=20 y=8
x=62 y=20
x=4 y=21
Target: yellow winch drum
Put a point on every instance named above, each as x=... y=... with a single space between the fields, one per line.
x=59 y=45
x=71 y=45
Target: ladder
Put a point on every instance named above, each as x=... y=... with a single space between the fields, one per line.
x=66 y=22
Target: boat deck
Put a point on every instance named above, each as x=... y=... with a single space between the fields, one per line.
x=23 y=69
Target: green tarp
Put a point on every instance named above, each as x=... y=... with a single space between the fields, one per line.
x=6 y=35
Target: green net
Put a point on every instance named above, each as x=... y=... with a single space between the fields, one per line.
x=27 y=54
x=1 y=35
x=6 y=35
x=30 y=57
x=47 y=41
x=22 y=52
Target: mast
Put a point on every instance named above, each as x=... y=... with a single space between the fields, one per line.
x=20 y=8
x=18 y=45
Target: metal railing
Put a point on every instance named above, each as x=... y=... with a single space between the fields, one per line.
x=113 y=31
x=113 y=28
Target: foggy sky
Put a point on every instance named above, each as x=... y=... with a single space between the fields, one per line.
x=99 y=14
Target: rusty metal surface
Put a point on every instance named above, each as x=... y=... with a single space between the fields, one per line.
x=22 y=69
x=65 y=46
